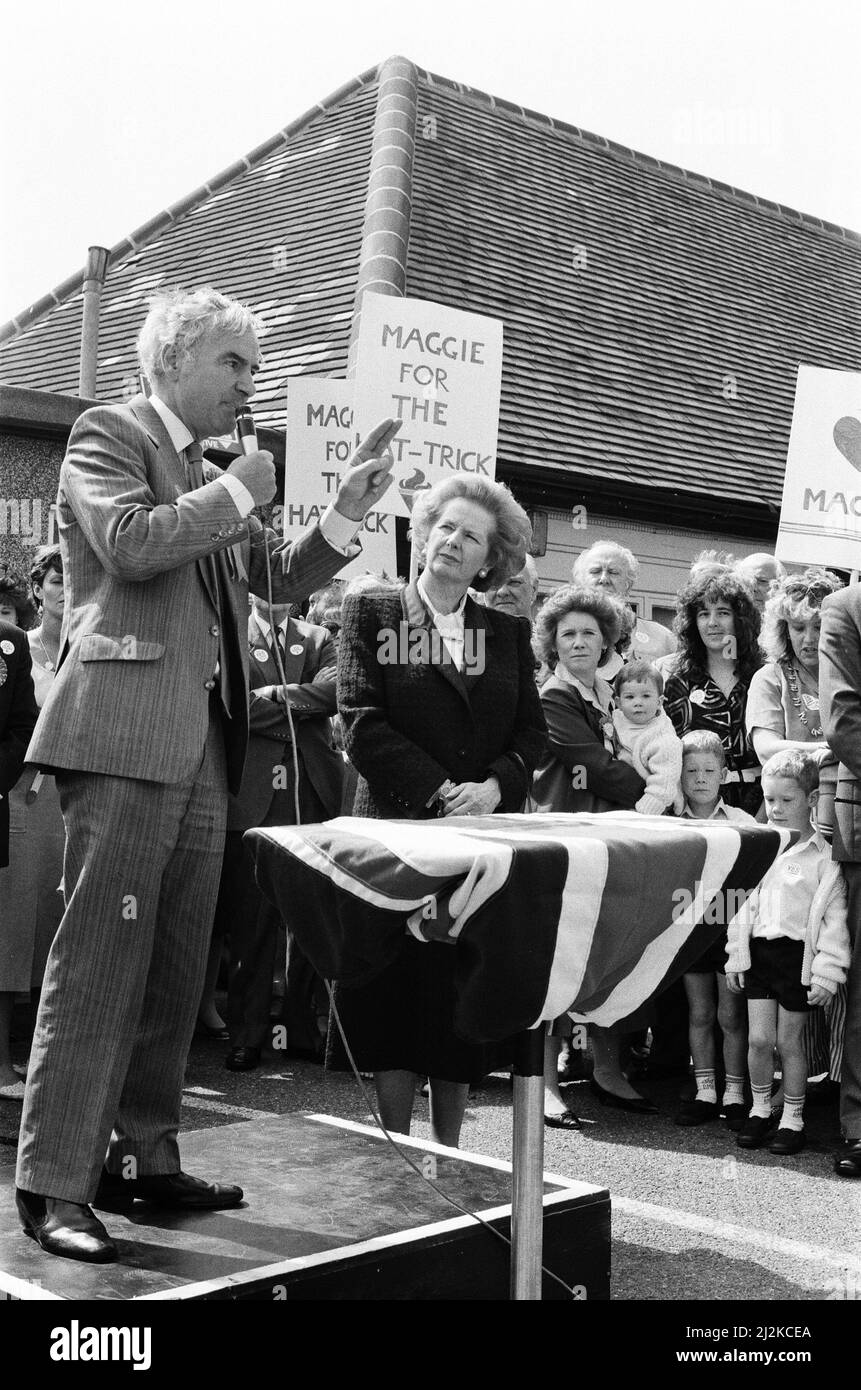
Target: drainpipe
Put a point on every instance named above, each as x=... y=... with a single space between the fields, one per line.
x=386 y=229
x=94 y=279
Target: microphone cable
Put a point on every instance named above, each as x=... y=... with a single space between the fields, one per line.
x=247 y=433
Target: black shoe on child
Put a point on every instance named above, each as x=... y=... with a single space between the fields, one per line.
x=754 y=1132
x=735 y=1116
x=787 y=1141
x=697 y=1112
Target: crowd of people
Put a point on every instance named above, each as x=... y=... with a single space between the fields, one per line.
x=568 y=701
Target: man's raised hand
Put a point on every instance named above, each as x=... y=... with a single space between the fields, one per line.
x=369 y=473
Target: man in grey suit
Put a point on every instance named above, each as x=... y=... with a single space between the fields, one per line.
x=840 y=705
x=146 y=727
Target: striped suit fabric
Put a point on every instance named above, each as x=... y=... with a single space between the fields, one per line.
x=144 y=743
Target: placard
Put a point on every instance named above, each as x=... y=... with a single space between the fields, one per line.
x=820 y=516
x=439 y=371
x=320 y=441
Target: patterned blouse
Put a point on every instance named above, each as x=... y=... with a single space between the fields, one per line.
x=701 y=704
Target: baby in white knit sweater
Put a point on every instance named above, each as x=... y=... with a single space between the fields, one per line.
x=647 y=739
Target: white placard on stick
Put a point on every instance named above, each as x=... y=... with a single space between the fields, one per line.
x=439 y=371
x=820 y=516
x=320 y=440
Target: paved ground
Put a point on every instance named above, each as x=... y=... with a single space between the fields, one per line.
x=694 y=1217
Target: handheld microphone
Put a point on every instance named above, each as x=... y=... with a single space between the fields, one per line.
x=246 y=430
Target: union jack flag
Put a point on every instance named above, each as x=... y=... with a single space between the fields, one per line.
x=591 y=915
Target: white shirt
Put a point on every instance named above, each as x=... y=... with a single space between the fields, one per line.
x=265 y=628
x=337 y=529
x=722 y=812
x=450 y=626
x=600 y=695
x=783 y=898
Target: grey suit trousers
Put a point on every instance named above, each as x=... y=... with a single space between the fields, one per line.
x=850 y=1074
x=124 y=976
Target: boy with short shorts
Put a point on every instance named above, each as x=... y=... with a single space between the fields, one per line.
x=787 y=950
x=709 y=1000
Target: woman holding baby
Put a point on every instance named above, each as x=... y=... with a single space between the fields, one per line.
x=583 y=772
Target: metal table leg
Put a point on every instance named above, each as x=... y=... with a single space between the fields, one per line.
x=527 y=1179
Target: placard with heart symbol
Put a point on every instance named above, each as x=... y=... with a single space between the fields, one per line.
x=820 y=514
x=847 y=437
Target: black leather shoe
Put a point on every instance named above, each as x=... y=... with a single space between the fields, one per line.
x=166 y=1190
x=639 y=1105
x=242 y=1058
x=847 y=1161
x=697 y=1112
x=754 y=1132
x=65 y=1228
x=735 y=1115
x=787 y=1141
x=566 y=1119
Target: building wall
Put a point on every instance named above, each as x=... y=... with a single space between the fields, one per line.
x=665 y=554
x=28 y=488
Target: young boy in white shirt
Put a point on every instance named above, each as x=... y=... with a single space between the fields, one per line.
x=646 y=735
x=788 y=950
x=709 y=1000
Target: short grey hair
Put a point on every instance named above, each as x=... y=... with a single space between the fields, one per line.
x=627 y=557
x=178 y=319
x=512 y=530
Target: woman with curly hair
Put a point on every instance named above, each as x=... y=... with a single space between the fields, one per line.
x=708 y=678
x=783 y=701
x=16 y=605
x=783 y=716
x=574 y=631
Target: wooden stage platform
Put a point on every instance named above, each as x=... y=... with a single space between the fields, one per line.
x=330 y=1212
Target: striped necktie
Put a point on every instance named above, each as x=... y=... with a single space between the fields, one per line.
x=194 y=464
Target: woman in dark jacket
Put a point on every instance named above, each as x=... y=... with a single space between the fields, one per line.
x=573 y=633
x=441 y=717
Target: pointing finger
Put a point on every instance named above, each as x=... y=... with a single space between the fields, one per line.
x=378 y=439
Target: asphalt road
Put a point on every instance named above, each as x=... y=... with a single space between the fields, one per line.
x=694 y=1217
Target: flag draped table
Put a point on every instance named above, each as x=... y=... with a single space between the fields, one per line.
x=594 y=915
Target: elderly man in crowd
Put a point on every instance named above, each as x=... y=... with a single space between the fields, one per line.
x=759 y=571
x=146 y=727
x=518 y=594
x=613 y=568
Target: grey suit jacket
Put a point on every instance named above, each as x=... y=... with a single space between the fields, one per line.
x=840 y=707
x=310 y=667
x=153 y=604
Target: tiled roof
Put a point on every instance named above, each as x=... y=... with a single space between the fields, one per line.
x=631 y=291
x=283 y=235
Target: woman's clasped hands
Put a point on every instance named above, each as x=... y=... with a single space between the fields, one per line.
x=472 y=798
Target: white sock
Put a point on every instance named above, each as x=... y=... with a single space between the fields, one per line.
x=793 y=1113
x=706 y=1087
x=761 y=1107
x=733 y=1093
